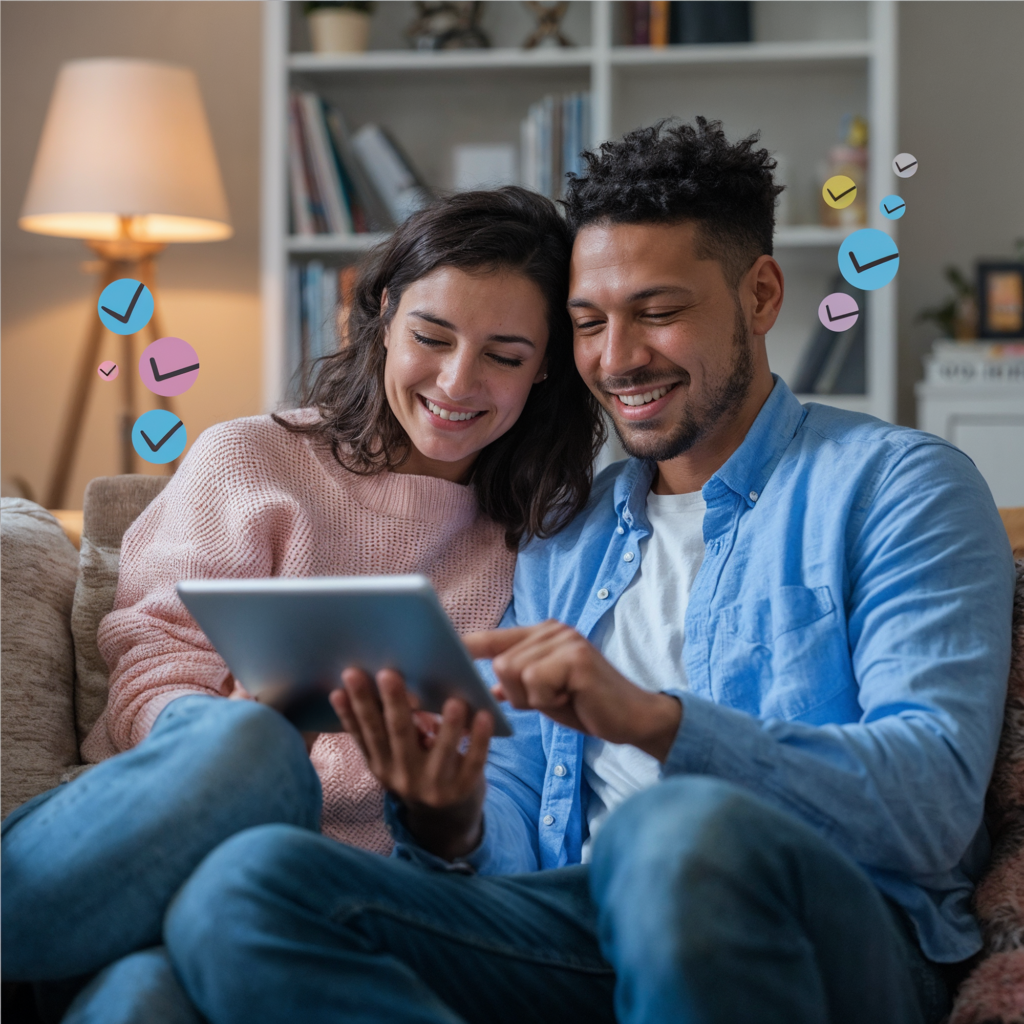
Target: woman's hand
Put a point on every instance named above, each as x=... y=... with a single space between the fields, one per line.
x=438 y=778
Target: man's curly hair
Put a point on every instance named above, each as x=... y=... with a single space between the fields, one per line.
x=670 y=173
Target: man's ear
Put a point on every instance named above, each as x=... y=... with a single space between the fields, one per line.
x=766 y=288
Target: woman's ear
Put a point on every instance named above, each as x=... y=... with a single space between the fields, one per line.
x=542 y=373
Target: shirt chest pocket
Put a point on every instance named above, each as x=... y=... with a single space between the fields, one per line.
x=780 y=655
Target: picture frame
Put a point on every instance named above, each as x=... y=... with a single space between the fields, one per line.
x=1001 y=299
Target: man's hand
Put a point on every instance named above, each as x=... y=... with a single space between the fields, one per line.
x=551 y=668
x=441 y=785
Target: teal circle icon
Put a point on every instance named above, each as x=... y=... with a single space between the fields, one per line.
x=159 y=436
x=892 y=207
x=868 y=259
x=125 y=306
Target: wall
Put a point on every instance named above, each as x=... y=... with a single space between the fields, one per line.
x=962 y=116
x=961 y=98
x=209 y=292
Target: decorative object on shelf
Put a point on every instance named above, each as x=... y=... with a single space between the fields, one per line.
x=549 y=24
x=848 y=158
x=1001 y=300
x=553 y=136
x=688 y=22
x=448 y=26
x=339 y=26
x=126 y=164
x=958 y=316
x=974 y=362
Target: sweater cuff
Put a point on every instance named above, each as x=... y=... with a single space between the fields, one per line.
x=146 y=718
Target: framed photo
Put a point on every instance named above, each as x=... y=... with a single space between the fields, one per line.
x=1001 y=300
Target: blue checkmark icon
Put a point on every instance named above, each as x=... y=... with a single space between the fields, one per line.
x=868 y=259
x=125 y=306
x=159 y=436
x=892 y=207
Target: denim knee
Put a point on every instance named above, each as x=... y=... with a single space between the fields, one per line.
x=246 y=747
x=138 y=989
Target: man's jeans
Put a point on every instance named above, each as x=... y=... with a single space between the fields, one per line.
x=702 y=904
x=89 y=868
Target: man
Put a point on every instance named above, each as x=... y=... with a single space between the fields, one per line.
x=770 y=658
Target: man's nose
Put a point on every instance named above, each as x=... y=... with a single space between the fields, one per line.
x=623 y=350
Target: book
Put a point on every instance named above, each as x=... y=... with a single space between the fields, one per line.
x=710 y=21
x=389 y=169
x=640 y=23
x=659 y=22
x=975 y=362
x=373 y=211
x=323 y=166
x=553 y=136
x=303 y=222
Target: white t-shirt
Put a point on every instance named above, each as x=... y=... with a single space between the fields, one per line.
x=642 y=636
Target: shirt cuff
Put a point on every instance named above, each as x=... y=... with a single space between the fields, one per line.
x=706 y=730
x=406 y=847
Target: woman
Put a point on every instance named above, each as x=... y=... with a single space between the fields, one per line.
x=450 y=427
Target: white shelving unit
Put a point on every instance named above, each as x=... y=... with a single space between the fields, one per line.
x=811 y=63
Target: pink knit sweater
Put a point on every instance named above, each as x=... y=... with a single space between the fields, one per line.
x=254 y=500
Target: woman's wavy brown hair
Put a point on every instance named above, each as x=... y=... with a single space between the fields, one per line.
x=535 y=477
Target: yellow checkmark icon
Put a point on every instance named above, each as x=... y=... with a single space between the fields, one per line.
x=839 y=191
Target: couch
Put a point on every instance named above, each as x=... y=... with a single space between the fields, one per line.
x=54 y=682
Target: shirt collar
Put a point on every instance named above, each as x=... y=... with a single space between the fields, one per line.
x=746 y=471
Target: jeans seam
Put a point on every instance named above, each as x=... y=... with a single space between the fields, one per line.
x=474 y=942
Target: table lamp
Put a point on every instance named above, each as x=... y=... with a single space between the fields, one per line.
x=127 y=164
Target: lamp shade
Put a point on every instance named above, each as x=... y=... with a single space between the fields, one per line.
x=126 y=139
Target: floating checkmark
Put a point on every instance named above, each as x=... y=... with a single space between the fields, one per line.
x=107 y=369
x=839 y=191
x=157 y=375
x=842 y=316
x=159 y=436
x=131 y=296
x=175 y=353
x=107 y=373
x=836 y=198
x=905 y=164
x=874 y=263
x=868 y=259
x=893 y=209
x=127 y=315
x=163 y=440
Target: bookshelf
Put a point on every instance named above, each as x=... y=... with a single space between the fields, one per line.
x=812 y=61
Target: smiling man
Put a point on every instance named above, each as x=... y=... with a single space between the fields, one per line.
x=769 y=659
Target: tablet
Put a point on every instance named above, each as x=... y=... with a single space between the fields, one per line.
x=287 y=640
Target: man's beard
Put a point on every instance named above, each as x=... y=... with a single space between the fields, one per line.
x=723 y=397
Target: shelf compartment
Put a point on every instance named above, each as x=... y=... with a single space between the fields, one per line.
x=454 y=60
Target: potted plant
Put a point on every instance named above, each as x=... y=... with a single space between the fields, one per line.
x=339 y=26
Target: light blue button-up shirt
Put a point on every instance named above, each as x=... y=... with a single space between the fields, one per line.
x=847 y=651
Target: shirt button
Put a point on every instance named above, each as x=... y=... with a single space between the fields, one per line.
x=619 y=530
x=549 y=819
x=754 y=495
x=559 y=770
x=628 y=556
x=602 y=593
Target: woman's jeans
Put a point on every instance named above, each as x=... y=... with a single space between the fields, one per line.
x=88 y=868
x=702 y=904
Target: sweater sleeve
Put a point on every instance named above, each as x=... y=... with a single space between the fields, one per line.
x=223 y=514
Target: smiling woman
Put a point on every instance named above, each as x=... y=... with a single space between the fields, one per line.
x=459 y=362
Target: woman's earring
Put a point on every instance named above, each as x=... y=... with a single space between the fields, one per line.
x=545 y=377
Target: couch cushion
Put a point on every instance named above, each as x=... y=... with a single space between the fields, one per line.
x=39 y=568
x=112 y=504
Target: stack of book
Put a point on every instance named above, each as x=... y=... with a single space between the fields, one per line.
x=975 y=362
x=342 y=183
x=319 y=299
x=835 y=362
x=689 y=21
x=553 y=137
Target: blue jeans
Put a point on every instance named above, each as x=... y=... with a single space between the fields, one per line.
x=89 y=868
x=702 y=904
